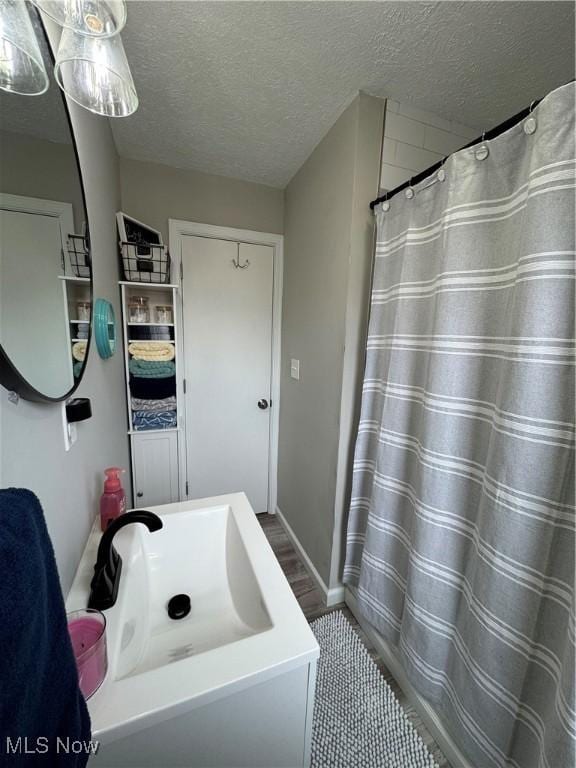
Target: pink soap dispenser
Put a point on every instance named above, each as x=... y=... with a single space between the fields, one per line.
x=113 y=500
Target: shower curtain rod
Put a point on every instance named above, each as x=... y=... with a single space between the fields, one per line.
x=486 y=136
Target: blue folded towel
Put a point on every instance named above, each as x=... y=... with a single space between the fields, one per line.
x=152 y=369
x=152 y=389
x=40 y=697
x=154 y=419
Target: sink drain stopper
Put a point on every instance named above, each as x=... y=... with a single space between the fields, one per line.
x=178 y=606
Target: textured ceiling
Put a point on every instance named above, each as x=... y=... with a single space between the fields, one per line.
x=42 y=116
x=247 y=89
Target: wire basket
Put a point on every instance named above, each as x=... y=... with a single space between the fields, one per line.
x=145 y=262
x=79 y=255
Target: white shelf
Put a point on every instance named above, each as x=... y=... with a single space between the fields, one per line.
x=155 y=286
x=80 y=322
x=72 y=279
x=165 y=443
x=169 y=325
x=75 y=340
x=152 y=431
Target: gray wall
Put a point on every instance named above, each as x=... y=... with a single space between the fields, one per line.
x=369 y=137
x=31 y=439
x=326 y=276
x=37 y=168
x=154 y=193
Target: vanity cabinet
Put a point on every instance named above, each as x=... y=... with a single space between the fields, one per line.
x=267 y=725
x=229 y=685
x=155 y=468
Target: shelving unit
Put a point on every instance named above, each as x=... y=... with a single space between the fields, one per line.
x=75 y=289
x=155 y=472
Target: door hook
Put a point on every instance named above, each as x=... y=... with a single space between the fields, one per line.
x=237 y=264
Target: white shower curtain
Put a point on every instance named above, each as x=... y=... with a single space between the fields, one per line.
x=460 y=544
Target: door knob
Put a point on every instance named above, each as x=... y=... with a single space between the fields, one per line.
x=139 y=494
x=262 y=404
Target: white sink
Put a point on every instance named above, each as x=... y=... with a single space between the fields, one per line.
x=245 y=630
x=199 y=553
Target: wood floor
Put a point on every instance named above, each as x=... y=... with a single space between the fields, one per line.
x=311 y=602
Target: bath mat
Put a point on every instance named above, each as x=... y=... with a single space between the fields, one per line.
x=357 y=719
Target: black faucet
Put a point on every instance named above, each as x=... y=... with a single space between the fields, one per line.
x=106 y=579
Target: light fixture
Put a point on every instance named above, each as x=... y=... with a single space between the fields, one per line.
x=94 y=73
x=96 y=18
x=91 y=66
x=22 y=68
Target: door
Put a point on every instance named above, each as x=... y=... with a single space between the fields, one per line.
x=33 y=310
x=227 y=293
x=155 y=463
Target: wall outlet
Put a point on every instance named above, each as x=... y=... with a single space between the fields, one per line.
x=295 y=368
x=70 y=431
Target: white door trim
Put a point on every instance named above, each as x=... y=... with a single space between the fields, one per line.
x=35 y=205
x=177 y=229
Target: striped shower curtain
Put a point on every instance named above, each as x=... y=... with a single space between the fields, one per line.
x=460 y=543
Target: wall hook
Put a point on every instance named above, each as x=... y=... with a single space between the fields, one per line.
x=236 y=261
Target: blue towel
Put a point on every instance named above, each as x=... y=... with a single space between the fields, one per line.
x=154 y=419
x=152 y=389
x=40 y=698
x=152 y=369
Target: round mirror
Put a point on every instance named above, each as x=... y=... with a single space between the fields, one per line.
x=45 y=267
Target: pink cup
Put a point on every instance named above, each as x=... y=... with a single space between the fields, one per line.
x=87 y=630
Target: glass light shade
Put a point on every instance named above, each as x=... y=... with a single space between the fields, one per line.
x=96 y=18
x=94 y=73
x=21 y=65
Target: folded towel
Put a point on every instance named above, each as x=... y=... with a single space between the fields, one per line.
x=152 y=389
x=79 y=350
x=40 y=693
x=141 y=404
x=153 y=419
x=151 y=333
x=153 y=369
x=77 y=368
x=152 y=350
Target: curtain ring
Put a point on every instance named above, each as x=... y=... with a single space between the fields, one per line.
x=481 y=152
x=409 y=192
x=530 y=123
x=441 y=175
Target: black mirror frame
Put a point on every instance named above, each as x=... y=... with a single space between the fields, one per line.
x=10 y=377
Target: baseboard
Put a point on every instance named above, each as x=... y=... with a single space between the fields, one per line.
x=332 y=596
x=425 y=710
